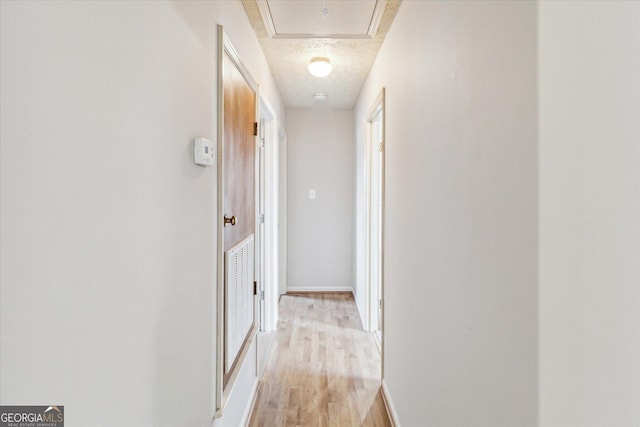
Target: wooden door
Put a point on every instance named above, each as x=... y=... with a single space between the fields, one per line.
x=238 y=175
x=239 y=155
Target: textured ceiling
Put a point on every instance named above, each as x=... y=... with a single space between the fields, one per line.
x=351 y=51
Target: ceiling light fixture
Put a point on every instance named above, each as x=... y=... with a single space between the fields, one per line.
x=320 y=96
x=320 y=66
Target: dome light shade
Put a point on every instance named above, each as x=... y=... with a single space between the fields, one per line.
x=320 y=66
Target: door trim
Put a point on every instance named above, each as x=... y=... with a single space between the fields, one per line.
x=221 y=392
x=282 y=210
x=269 y=120
x=378 y=107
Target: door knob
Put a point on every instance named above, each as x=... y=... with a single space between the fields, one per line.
x=231 y=220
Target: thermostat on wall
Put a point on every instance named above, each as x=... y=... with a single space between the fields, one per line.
x=203 y=152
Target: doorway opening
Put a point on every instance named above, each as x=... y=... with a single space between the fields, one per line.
x=268 y=268
x=268 y=215
x=374 y=190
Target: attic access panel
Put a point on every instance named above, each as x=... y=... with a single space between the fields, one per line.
x=356 y=19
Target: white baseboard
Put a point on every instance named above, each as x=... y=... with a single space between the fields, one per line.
x=388 y=403
x=237 y=406
x=246 y=417
x=320 y=289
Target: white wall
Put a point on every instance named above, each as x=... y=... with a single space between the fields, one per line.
x=320 y=232
x=107 y=228
x=589 y=100
x=460 y=252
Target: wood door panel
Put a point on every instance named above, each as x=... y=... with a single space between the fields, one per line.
x=239 y=154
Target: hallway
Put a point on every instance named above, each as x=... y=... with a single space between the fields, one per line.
x=324 y=369
x=510 y=237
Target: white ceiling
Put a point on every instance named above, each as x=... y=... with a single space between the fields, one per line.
x=291 y=32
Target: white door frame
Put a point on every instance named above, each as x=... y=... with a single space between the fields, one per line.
x=373 y=314
x=282 y=209
x=260 y=215
x=225 y=47
x=270 y=287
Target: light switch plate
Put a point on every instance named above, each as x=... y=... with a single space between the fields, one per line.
x=312 y=194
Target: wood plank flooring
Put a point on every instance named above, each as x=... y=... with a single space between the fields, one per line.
x=324 y=370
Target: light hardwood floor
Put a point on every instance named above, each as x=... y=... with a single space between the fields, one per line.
x=324 y=370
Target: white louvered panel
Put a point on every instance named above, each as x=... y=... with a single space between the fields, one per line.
x=239 y=297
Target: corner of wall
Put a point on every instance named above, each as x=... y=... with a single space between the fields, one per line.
x=388 y=404
x=361 y=311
